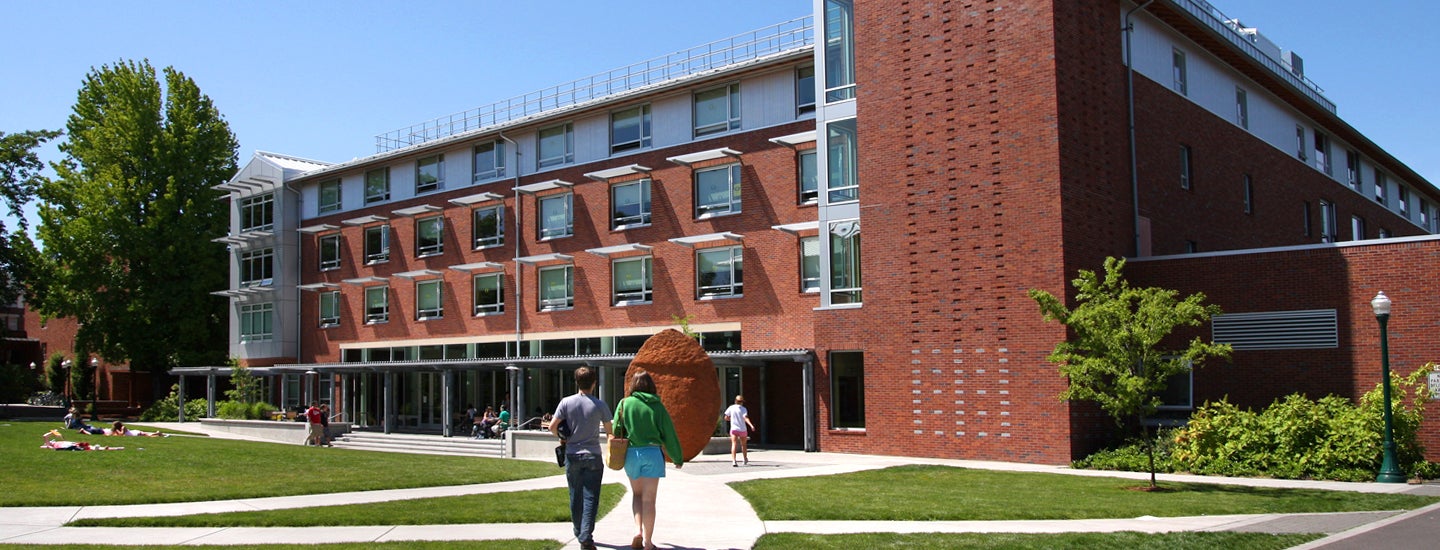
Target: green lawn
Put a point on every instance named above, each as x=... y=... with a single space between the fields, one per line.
x=920 y=493
x=539 y=506
x=401 y=545
x=183 y=469
x=1011 y=541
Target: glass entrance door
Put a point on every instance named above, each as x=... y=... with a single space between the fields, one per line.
x=419 y=401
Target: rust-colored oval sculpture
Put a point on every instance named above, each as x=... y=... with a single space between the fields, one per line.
x=686 y=380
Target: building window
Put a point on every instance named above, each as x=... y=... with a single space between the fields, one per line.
x=1380 y=184
x=257 y=213
x=1402 y=201
x=632 y=281
x=843 y=183
x=329 y=196
x=719 y=272
x=630 y=204
x=377 y=304
x=257 y=268
x=1352 y=170
x=717 y=191
x=329 y=252
x=809 y=179
x=488 y=226
x=489 y=294
x=1242 y=108
x=557 y=288
x=257 y=322
x=1300 y=142
x=557 y=145
x=429 y=236
x=810 y=264
x=330 y=308
x=489 y=161
x=804 y=90
x=1322 y=153
x=1357 y=228
x=377 y=185
x=1425 y=216
x=1384 y=233
x=377 y=244
x=1191 y=247
x=430 y=174
x=839 y=50
x=428 y=302
x=1249 y=191
x=630 y=129
x=847 y=390
x=1328 y=231
x=1177 y=64
x=556 y=217
x=1185 y=167
x=717 y=110
x=845 y=262
x=1306 y=219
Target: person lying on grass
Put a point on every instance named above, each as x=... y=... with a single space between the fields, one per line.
x=62 y=445
x=118 y=428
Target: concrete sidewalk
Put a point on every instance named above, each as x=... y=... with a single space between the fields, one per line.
x=697 y=510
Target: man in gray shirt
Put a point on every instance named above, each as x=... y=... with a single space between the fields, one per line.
x=582 y=415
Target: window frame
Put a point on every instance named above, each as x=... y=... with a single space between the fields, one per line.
x=257 y=213
x=1248 y=188
x=332 y=187
x=642 y=218
x=1322 y=153
x=729 y=96
x=424 y=248
x=1329 y=228
x=732 y=204
x=646 y=292
x=547 y=233
x=556 y=304
x=249 y=315
x=643 y=125
x=1357 y=227
x=497 y=307
x=383 y=254
x=1242 y=108
x=805 y=280
x=802 y=107
x=421 y=185
x=377 y=190
x=437 y=286
x=1353 y=173
x=840 y=374
x=496 y=167
x=1382 y=195
x=330 y=318
x=329 y=245
x=735 y=287
x=1402 y=201
x=567 y=142
x=257 y=268
x=1186 y=168
x=845 y=263
x=381 y=314
x=478 y=240
x=808 y=194
x=838 y=28
x=1179 y=73
x=1300 y=143
x=842 y=160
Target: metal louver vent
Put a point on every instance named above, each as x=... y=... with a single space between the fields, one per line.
x=1299 y=329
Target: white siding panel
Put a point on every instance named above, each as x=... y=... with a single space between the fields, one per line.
x=671 y=120
x=592 y=138
x=767 y=99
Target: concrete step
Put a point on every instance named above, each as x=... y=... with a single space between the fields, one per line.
x=421 y=444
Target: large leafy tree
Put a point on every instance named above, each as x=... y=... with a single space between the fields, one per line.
x=1114 y=355
x=128 y=221
x=20 y=175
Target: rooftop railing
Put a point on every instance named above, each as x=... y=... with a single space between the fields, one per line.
x=1217 y=21
x=775 y=39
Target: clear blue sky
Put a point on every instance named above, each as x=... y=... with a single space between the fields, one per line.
x=319 y=79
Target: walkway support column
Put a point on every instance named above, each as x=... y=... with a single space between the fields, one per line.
x=812 y=439
x=445 y=408
x=180 y=397
x=389 y=413
x=210 y=395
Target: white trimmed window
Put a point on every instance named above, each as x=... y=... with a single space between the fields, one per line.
x=488 y=227
x=630 y=129
x=1177 y=65
x=257 y=322
x=1242 y=108
x=1329 y=233
x=1357 y=228
x=557 y=218
x=1300 y=142
x=329 y=196
x=717 y=191
x=556 y=146
x=1249 y=194
x=1322 y=153
x=805 y=90
x=717 y=110
x=489 y=294
x=330 y=252
x=847 y=390
x=428 y=300
x=1352 y=170
x=839 y=50
x=1381 y=182
x=630 y=204
x=810 y=264
x=632 y=283
x=330 y=308
x=377 y=244
x=377 y=304
x=430 y=236
x=843 y=152
x=257 y=213
x=1402 y=201
x=719 y=272
x=377 y=185
x=430 y=174
x=557 y=288
x=257 y=268
x=1185 y=173
x=808 y=176
x=845 y=262
x=489 y=161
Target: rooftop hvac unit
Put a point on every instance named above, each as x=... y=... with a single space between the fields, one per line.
x=1294 y=62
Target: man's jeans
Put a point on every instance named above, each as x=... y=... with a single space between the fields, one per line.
x=583 y=472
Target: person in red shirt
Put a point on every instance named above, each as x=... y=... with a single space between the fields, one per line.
x=315 y=418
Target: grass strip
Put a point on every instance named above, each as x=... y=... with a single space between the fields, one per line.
x=510 y=544
x=186 y=469
x=1127 y=540
x=927 y=493
x=536 y=506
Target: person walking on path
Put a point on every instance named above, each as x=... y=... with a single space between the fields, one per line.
x=325 y=424
x=644 y=420
x=316 y=430
x=577 y=423
x=739 y=436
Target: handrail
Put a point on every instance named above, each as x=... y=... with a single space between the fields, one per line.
x=774 y=39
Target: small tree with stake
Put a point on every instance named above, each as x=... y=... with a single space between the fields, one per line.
x=1113 y=356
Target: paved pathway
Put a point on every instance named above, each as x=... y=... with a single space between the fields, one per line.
x=697 y=510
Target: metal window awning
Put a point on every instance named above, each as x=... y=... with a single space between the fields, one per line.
x=708 y=237
x=606 y=251
x=417 y=274
x=544 y=186
x=318 y=228
x=794 y=140
x=543 y=258
x=797 y=228
x=477 y=198
x=249 y=184
x=702 y=156
x=365 y=280
x=247 y=291
x=416 y=210
x=479 y=266
x=607 y=175
x=317 y=286
x=362 y=220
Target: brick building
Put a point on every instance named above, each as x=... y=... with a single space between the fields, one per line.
x=986 y=149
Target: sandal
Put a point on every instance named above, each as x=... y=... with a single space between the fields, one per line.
x=638 y=541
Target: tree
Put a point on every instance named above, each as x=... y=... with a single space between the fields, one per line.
x=20 y=175
x=128 y=221
x=1113 y=356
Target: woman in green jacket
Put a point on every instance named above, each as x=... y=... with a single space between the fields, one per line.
x=643 y=419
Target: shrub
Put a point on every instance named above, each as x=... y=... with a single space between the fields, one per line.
x=1133 y=456
x=261 y=410
x=166 y=410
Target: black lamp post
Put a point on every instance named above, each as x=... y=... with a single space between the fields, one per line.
x=1389 y=470
x=65 y=395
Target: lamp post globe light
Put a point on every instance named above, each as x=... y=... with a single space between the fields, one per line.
x=1389 y=469
x=65 y=394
